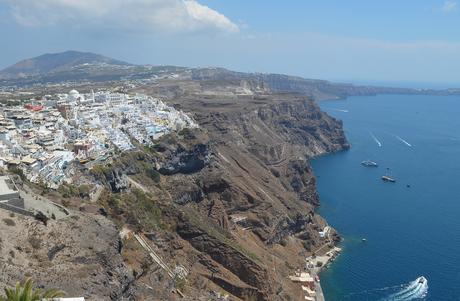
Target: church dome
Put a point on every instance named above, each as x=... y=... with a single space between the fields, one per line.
x=74 y=93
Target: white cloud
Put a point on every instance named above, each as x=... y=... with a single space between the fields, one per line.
x=131 y=15
x=449 y=6
x=205 y=15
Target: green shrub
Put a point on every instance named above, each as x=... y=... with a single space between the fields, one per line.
x=17 y=171
x=69 y=190
x=137 y=208
x=180 y=283
x=154 y=175
x=307 y=245
x=283 y=242
x=25 y=291
x=9 y=222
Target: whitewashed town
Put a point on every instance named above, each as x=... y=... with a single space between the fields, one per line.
x=43 y=137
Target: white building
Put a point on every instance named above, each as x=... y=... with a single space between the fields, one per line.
x=75 y=96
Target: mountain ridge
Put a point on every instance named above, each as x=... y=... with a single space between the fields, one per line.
x=55 y=62
x=74 y=66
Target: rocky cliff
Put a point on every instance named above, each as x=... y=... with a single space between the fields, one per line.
x=315 y=88
x=231 y=205
x=239 y=194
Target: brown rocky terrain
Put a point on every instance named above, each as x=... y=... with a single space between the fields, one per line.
x=231 y=203
x=241 y=188
x=79 y=255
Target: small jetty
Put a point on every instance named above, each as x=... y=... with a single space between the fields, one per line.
x=369 y=163
x=308 y=278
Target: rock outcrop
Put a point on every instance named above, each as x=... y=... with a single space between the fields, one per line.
x=79 y=255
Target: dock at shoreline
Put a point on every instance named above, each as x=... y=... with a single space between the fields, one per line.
x=309 y=278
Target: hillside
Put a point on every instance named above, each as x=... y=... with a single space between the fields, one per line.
x=80 y=67
x=56 y=62
x=315 y=88
x=232 y=203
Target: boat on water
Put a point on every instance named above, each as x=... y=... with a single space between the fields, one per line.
x=388 y=179
x=369 y=163
x=422 y=280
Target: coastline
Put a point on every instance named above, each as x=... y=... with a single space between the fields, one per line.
x=359 y=204
x=314 y=264
x=326 y=260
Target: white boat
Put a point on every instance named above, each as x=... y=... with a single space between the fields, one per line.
x=388 y=179
x=422 y=280
x=369 y=163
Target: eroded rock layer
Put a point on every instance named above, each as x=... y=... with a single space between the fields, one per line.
x=231 y=203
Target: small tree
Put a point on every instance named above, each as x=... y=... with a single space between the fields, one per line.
x=24 y=291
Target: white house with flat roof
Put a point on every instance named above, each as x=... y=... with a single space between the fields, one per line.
x=8 y=190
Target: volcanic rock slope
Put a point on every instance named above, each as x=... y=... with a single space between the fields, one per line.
x=78 y=255
x=231 y=203
x=243 y=190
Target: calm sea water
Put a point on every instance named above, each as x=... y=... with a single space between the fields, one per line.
x=411 y=231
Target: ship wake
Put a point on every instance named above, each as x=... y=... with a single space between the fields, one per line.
x=403 y=141
x=341 y=110
x=375 y=139
x=414 y=290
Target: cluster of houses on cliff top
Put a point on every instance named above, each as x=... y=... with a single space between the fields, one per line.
x=43 y=137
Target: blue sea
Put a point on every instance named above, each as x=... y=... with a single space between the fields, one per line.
x=411 y=227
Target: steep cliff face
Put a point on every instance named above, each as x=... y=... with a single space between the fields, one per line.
x=251 y=206
x=231 y=202
x=315 y=88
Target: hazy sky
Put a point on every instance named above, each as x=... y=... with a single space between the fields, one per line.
x=368 y=40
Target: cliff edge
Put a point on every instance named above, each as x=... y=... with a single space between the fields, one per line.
x=227 y=209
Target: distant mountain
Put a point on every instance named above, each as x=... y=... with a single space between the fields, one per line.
x=74 y=66
x=57 y=62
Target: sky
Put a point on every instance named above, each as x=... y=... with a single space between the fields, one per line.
x=392 y=41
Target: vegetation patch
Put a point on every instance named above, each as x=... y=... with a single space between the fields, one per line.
x=69 y=190
x=18 y=172
x=132 y=163
x=135 y=208
x=9 y=222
